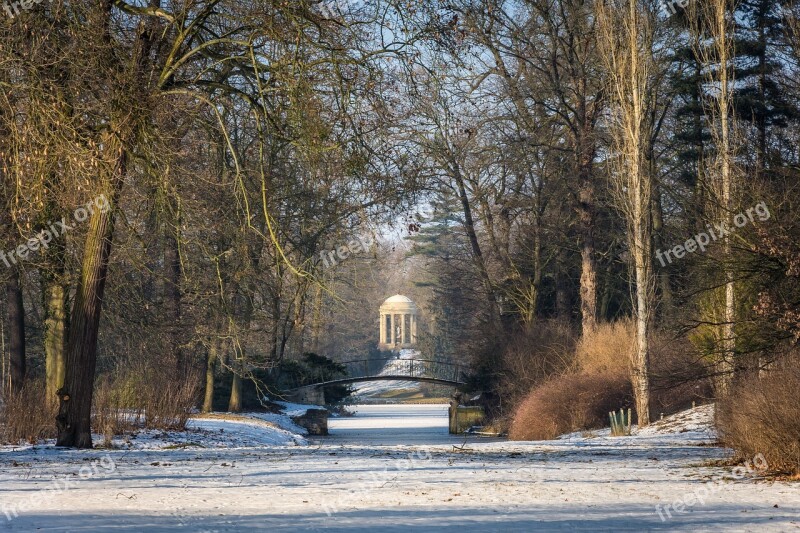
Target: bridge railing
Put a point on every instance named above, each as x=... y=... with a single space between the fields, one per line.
x=412 y=368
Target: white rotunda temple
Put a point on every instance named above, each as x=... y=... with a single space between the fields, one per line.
x=398 y=325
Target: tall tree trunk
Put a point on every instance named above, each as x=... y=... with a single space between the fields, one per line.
x=658 y=243
x=477 y=253
x=316 y=319
x=211 y=363
x=588 y=282
x=761 y=121
x=641 y=360
x=75 y=397
x=627 y=44
x=55 y=335
x=16 y=332
x=718 y=20
x=605 y=299
x=235 y=401
x=536 y=282
x=560 y=280
x=172 y=262
x=642 y=258
x=56 y=318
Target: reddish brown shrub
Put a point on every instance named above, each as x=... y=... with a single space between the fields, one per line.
x=599 y=382
x=533 y=356
x=762 y=416
x=569 y=403
x=607 y=349
x=678 y=373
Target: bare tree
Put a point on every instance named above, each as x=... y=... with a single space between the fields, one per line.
x=715 y=18
x=627 y=43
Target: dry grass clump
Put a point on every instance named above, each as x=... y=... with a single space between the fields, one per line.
x=27 y=415
x=139 y=396
x=762 y=416
x=112 y=414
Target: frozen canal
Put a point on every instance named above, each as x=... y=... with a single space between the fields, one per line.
x=386 y=425
x=391 y=468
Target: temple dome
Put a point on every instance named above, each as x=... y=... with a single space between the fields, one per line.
x=399 y=303
x=398 y=322
x=398 y=298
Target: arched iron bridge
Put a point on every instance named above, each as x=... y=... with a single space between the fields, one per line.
x=393 y=369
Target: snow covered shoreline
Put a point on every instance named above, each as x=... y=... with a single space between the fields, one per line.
x=395 y=468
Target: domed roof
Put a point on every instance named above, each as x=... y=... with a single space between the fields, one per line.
x=399 y=303
x=398 y=299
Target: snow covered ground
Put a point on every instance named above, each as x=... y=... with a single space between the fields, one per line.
x=392 y=468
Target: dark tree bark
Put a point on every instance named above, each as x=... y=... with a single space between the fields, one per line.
x=56 y=320
x=16 y=332
x=477 y=253
x=586 y=224
x=75 y=397
x=235 y=400
x=211 y=364
x=73 y=421
x=172 y=262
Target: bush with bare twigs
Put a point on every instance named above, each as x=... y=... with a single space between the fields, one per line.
x=762 y=415
x=143 y=396
x=570 y=403
x=606 y=350
x=679 y=375
x=598 y=381
x=533 y=356
x=678 y=372
x=27 y=415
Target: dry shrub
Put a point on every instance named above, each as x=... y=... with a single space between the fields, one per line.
x=144 y=396
x=762 y=416
x=570 y=403
x=599 y=381
x=112 y=414
x=679 y=375
x=533 y=356
x=27 y=415
x=607 y=349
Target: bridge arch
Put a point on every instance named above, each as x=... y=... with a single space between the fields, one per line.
x=392 y=369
